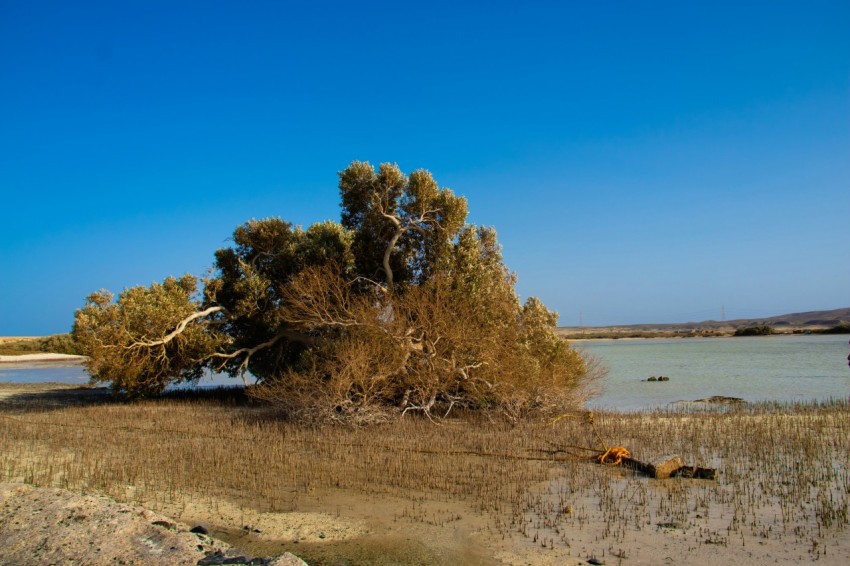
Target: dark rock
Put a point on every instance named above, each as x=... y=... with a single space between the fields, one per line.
x=697 y=473
x=221 y=559
x=721 y=400
x=595 y=562
x=211 y=559
x=217 y=558
x=653 y=378
x=231 y=557
x=199 y=530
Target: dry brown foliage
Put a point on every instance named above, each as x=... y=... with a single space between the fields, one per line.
x=432 y=349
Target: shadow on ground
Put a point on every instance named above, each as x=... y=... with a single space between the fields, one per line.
x=42 y=397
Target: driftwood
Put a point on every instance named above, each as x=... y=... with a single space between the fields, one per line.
x=668 y=467
x=664 y=467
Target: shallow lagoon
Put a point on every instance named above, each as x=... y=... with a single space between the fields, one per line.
x=39 y=372
x=42 y=372
x=761 y=368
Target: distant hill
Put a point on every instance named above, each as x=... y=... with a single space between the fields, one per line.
x=800 y=321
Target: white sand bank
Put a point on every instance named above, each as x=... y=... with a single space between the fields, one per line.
x=42 y=358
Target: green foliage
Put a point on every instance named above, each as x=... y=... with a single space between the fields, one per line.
x=18 y=346
x=56 y=344
x=125 y=340
x=760 y=330
x=841 y=328
x=253 y=286
x=400 y=307
x=60 y=344
x=418 y=220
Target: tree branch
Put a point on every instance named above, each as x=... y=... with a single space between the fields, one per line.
x=181 y=326
x=243 y=366
x=412 y=224
x=388 y=252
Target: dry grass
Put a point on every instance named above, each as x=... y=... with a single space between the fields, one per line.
x=783 y=469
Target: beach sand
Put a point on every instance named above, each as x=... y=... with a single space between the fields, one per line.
x=42 y=359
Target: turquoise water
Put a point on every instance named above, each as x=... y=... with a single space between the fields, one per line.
x=774 y=368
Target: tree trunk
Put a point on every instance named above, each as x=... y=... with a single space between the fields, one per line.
x=669 y=466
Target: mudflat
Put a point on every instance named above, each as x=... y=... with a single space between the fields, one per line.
x=467 y=491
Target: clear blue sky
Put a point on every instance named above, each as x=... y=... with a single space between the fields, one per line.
x=641 y=161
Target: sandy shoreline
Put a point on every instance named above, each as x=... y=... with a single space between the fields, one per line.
x=42 y=358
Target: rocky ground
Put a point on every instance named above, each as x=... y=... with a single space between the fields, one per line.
x=55 y=526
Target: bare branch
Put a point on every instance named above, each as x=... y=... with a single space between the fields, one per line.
x=181 y=326
x=248 y=353
x=426 y=409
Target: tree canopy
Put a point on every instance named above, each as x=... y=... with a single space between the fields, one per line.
x=402 y=306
